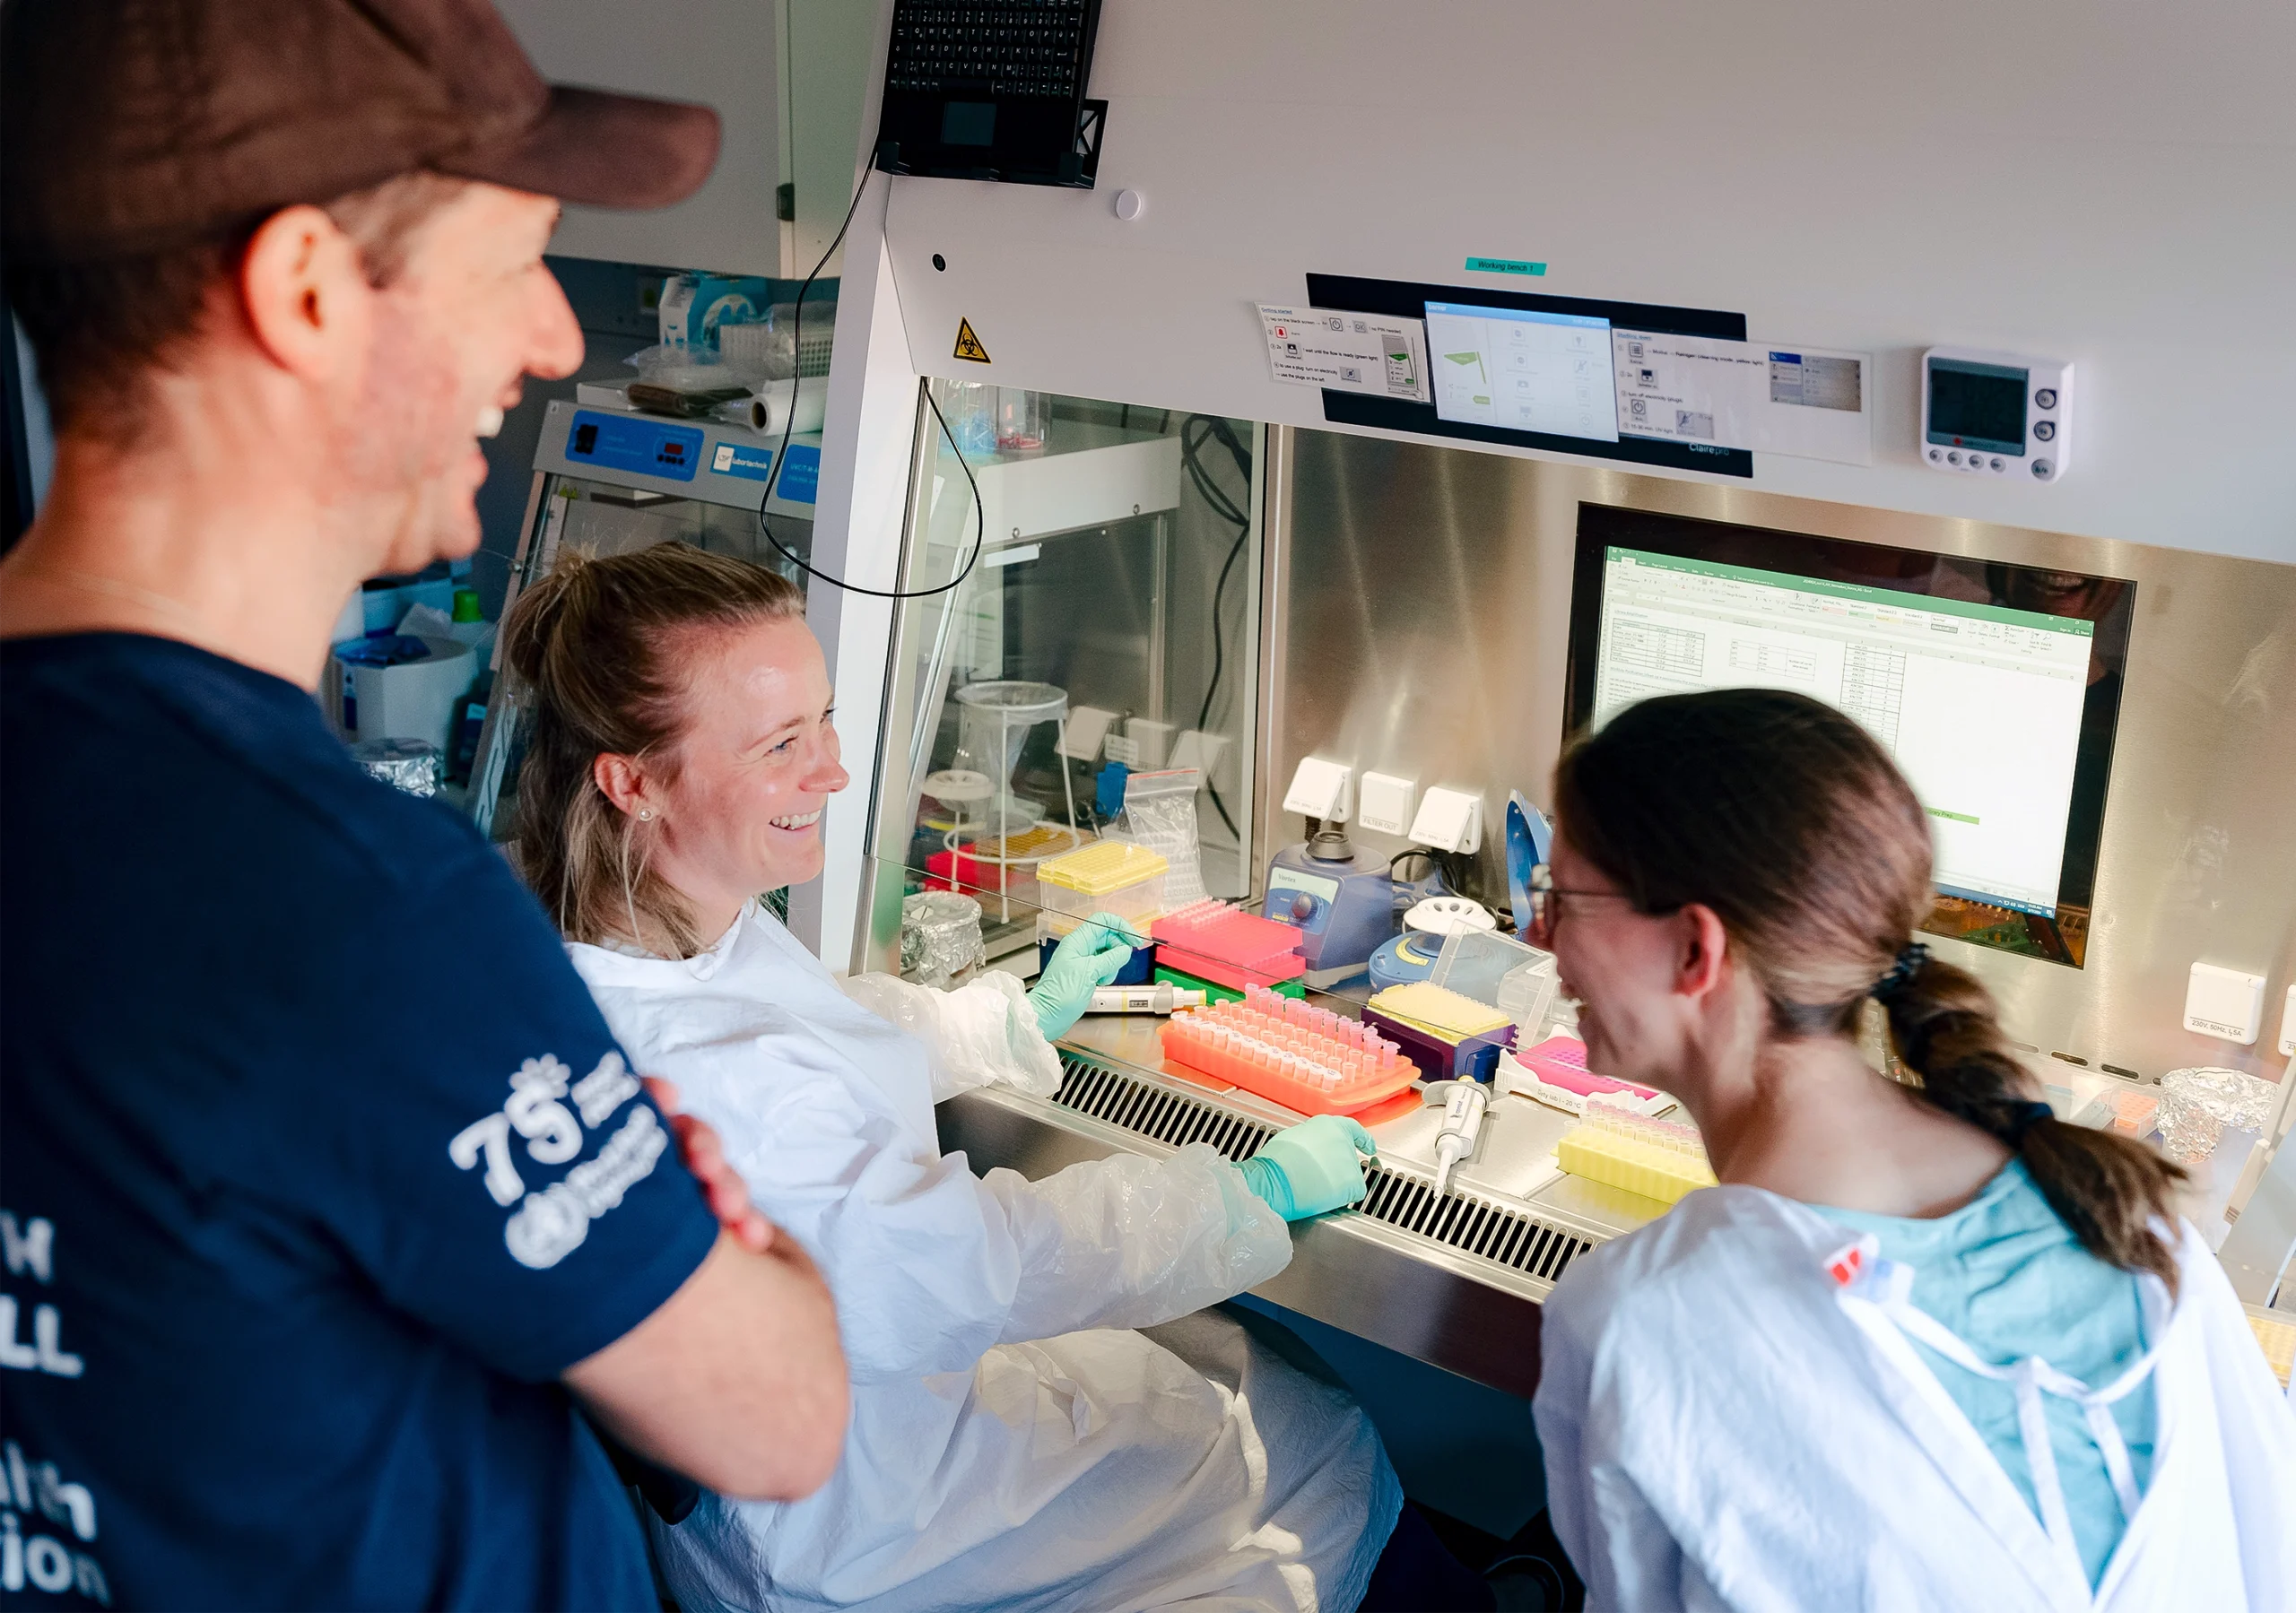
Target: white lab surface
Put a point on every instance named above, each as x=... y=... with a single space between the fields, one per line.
x=1011 y=1446
x=1722 y=1432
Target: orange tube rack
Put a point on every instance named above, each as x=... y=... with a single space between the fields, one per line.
x=1303 y=1057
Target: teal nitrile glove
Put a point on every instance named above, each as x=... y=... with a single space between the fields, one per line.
x=1088 y=958
x=1310 y=1167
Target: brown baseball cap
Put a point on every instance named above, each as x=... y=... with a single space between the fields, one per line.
x=133 y=125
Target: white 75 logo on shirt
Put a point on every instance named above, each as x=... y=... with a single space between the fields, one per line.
x=535 y=1113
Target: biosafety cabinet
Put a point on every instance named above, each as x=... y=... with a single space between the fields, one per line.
x=1420 y=613
x=1224 y=528
x=1406 y=402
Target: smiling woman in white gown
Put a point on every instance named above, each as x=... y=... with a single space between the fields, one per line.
x=1014 y=1443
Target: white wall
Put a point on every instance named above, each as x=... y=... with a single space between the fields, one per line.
x=2111 y=181
x=830 y=45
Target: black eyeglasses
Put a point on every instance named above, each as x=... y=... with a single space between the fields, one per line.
x=1546 y=902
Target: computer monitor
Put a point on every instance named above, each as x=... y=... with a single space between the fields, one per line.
x=1996 y=687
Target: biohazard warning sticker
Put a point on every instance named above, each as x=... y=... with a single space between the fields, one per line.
x=969 y=345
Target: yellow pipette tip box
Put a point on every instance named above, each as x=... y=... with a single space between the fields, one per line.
x=2278 y=1339
x=1438 y=1010
x=1113 y=876
x=1614 y=1152
x=1103 y=867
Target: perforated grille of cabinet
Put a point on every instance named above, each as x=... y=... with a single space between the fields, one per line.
x=1457 y=1220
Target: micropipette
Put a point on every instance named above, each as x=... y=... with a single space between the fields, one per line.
x=1465 y=1103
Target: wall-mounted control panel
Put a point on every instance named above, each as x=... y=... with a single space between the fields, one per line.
x=1996 y=414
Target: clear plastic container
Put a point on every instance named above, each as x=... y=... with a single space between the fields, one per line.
x=1108 y=876
x=757 y=351
x=1475 y=962
x=816 y=333
x=969 y=408
x=1023 y=420
x=1527 y=993
x=767 y=348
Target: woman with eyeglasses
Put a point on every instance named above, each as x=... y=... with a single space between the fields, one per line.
x=1926 y=1346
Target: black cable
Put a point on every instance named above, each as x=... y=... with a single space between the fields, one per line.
x=1434 y=860
x=1203 y=714
x=1228 y=509
x=789 y=426
x=1459 y=871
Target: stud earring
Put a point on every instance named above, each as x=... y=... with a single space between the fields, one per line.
x=645 y=814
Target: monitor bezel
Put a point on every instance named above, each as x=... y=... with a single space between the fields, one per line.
x=2059 y=938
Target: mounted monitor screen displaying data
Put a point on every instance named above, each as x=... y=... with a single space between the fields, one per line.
x=1523 y=369
x=1996 y=687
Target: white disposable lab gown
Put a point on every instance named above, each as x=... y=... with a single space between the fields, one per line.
x=1724 y=1427
x=1011 y=1446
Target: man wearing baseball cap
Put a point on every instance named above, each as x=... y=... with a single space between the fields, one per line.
x=333 y=1218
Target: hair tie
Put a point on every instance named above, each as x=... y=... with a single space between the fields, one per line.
x=1909 y=959
x=2027 y=1116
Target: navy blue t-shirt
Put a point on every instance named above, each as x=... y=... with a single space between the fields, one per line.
x=317 y=1163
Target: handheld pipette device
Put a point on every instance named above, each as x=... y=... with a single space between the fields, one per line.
x=1161 y=998
x=1465 y=1103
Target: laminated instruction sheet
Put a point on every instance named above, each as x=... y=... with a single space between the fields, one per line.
x=1814 y=402
x=1346 y=352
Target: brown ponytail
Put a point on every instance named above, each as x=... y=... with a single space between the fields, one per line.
x=2108 y=1188
x=596 y=643
x=1786 y=818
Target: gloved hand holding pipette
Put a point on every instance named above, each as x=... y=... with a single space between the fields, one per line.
x=1314 y=1167
x=1089 y=957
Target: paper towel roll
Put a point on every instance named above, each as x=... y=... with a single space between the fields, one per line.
x=768 y=413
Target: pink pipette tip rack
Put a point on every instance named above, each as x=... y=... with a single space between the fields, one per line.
x=1228 y=946
x=1306 y=1058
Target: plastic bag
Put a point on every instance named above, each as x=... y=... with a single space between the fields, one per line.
x=683 y=367
x=1128 y=1242
x=978 y=1035
x=1159 y=813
